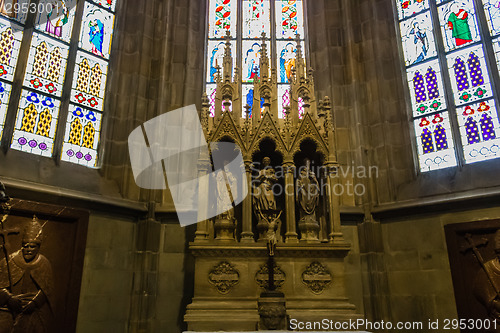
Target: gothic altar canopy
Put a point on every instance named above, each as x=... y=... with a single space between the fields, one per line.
x=291 y=172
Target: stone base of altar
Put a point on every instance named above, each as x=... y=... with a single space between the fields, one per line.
x=230 y=279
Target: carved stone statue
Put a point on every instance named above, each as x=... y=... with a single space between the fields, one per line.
x=226 y=189
x=307 y=188
x=263 y=197
x=487 y=281
x=26 y=279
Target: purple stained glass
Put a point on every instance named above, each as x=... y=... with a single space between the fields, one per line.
x=79 y=155
x=487 y=127
x=418 y=84
x=70 y=153
x=22 y=141
x=476 y=74
x=426 y=138
x=212 y=103
x=42 y=146
x=440 y=138
x=32 y=143
x=460 y=74
x=472 y=131
x=432 y=85
x=88 y=157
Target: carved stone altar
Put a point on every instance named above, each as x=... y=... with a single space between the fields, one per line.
x=310 y=248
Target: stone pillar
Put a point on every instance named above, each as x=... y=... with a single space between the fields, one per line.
x=204 y=166
x=291 y=232
x=246 y=219
x=335 y=235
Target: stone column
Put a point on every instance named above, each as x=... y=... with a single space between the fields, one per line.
x=291 y=232
x=246 y=219
x=204 y=166
x=335 y=235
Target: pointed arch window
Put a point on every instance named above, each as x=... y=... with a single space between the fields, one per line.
x=246 y=21
x=451 y=52
x=58 y=106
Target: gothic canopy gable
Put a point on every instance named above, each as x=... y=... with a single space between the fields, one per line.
x=227 y=128
x=267 y=129
x=309 y=130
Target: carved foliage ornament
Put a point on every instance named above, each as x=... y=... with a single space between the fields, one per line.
x=316 y=277
x=262 y=276
x=224 y=276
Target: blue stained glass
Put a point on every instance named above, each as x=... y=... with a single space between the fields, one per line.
x=427 y=143
x=418 y=84
x=440 y=138
x=487 y=127
x=461 y=75
x=432 y=84
x=476 y=75
x=472 y=131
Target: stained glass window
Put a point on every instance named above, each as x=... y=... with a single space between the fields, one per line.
x=39 y=105
x=256 y=18
x=451 y=62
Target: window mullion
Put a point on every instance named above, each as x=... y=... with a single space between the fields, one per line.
x=452 y=110
x=272 y=38
x=68 y=81
x=17 y=82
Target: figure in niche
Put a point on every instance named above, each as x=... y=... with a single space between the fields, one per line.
x=264 y=199
x=487 y=280
x=287 y=62
x=26 y=279
x=420 y=42
x=307 y=190
x=252 y=62
x=226 y=190
x=458 y=23
x=96 y=36
x=57 y=17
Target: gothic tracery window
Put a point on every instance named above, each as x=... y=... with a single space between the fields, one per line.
x=450 y=74
x=247 y=21
x=59 y=107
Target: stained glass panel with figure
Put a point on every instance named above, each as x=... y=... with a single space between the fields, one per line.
x=458 y=24
x=492 y=11
x=417 y=39
x=216 y=56
x=56 y=17
x=97 y=30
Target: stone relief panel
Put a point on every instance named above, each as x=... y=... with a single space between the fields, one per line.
x=262 y=276
x=223 y=277
x=316 y=277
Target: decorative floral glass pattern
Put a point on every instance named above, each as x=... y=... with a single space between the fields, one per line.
x=222 y=17
x=256 y=18
x=434 y=142
x=46 y=65
x=108 y=4
x=469 y=77
x=407 y=8
x=82 y=136
x=97 y=30
x=89 y=81
x=36 y=123
x=480 y=131
x=289 y=19
x=11 y=35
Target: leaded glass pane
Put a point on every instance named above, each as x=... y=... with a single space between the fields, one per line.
x=56 y=17
x=426 y=88
x=289 y=19
x=36 y=123
x=10 y=40
x=492 y=11
x=286 y=55
x=256 y=18
x=480 y=131
x=82 y=136
x=89 y=81
x=434 y=142
x=210 y=89
x=5 y=90
x=46 y=65
x=407 y=8
x=97 y=30
x=458 y=24
x=417 y=39
x=222 y=17
x=251 y=60
x=469 y=76
x=216 y=56
x=108 y=4
x=283 y=99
